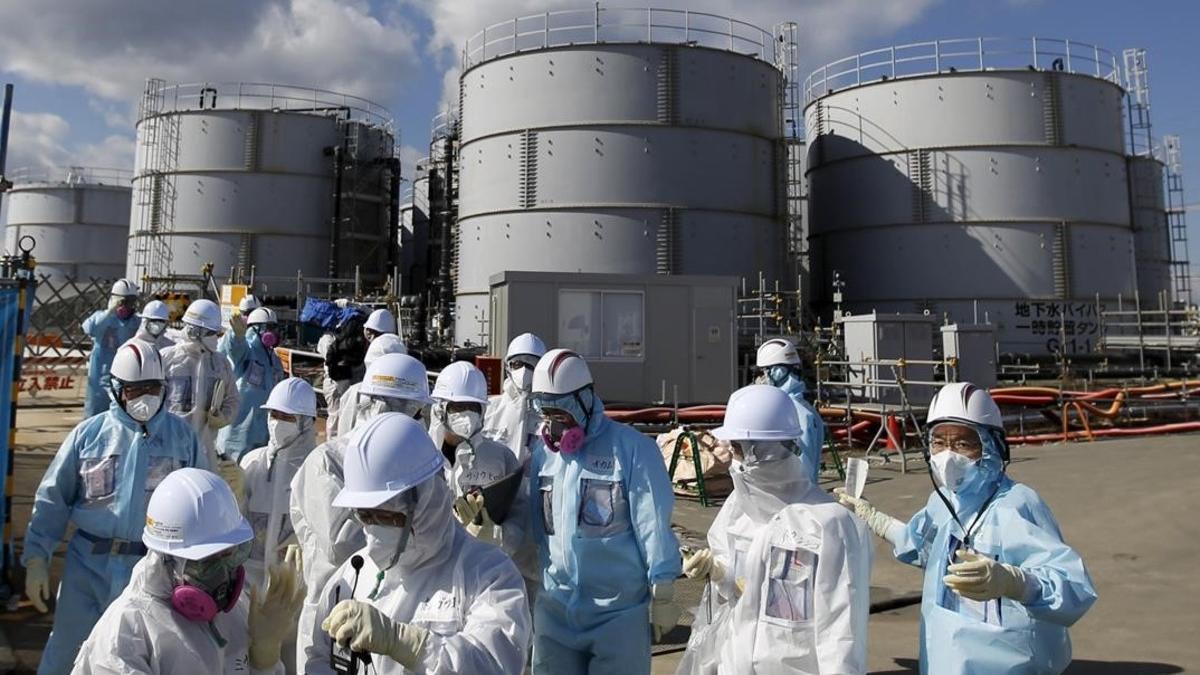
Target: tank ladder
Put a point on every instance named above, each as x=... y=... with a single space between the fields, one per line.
x=1181 y=270
x=159 y=156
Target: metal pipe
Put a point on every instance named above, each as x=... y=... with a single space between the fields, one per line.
x=336 y=227
x=4 y=119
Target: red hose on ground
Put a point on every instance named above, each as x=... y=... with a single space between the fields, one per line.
x=1175 y=428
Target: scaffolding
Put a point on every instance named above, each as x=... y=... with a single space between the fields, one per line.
x=1181 y=270
x=1137 y=98
x=158 y=155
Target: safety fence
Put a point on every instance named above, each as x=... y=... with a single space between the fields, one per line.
x=56 y=348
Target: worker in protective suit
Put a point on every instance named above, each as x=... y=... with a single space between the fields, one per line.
x=1001 y=585
x=384 y=344
x=475 y=463
x=184 y=610
x=99 y=480
x=380 y=322
x=780 y=365
x=108 y=328
x=344 y=351
x=257 y=370
x=790 y=568
x=510 y=418
x=422 y=595
x=233 y=341
x=153 y=329
x=200 y=385
x=328 y=535
x=602 y=522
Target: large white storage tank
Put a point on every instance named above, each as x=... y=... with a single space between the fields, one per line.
x=77 y=217
x=279 y=179
x=1152 y=238
x=973 y=177
x=617 y=141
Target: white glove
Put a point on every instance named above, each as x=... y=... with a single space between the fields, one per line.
x=232 y=474
x=701 y=564
x=664 y=613
x=342 y=303
x=274 y=616
x=217 y=421
x=362 y=628
x=467 y=507
x=880 y=523
x=978 y=577
x=37 y=583
x=238 y=324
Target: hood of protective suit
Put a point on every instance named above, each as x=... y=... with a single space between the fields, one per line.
x=762 y=489
x=432 y=526
x=794 y=387
x=595 y=422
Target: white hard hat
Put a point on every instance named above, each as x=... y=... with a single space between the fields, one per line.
x=124 y=288
x=261 y=315
x=156 y=310
x=387 y=455
x=760 y=412
x=381 y=321
x=388 y=343
x=248 y=303
x=561 y=371
x=293 y=396
x=461 y=382
x=203 y=313
x=525 y=344
x=397 y=376
x=964 y=402
x=777 y=352
x=136 y=361
x=193 y=514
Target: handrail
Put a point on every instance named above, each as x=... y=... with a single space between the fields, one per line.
x=71 y=175
x=962 y=54
x=263 y=96
x=599 y=25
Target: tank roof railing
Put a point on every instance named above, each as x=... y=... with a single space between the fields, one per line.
x=172 y=98
x=601 y=25
x=963 y=55
x=71 y=175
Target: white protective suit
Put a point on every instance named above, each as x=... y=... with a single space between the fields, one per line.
x=807 y=593
x=511 y=421
x=328 y=535
x=467 y=593
x=269 y=473
x=141 y=633
x=481 y=461
x=192 y=374
x=349 y=409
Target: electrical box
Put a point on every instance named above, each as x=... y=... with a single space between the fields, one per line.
x=972 y=347
x=875 y=341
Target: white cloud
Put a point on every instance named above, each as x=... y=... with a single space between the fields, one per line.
x=110 y=47
x=41 y=140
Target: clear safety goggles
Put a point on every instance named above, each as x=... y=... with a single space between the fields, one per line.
x=961 y=438
x=753 y=452
x=395 y=512
x=216 y=570
x=518 y=362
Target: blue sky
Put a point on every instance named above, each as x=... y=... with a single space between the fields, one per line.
x=79 y=65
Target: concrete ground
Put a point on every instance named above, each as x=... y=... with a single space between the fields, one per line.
x=1127 y=505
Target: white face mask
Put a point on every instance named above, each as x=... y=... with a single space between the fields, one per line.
x=282 y=432
x=143 y=408
x=464 y=424
x=523 y=378
x=385 y=544
x=156 y=328
x=949 y=468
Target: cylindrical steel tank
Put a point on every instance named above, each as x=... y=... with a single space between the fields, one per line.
x=977 y=179
x=277 y=179
x=647 y=143
x=1151 y=237
x=77 y=216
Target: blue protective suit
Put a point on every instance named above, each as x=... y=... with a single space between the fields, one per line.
x=602 y=525
x=108 y=332
x=257 y=370
x=101 y=480
x=1000 y=636
x=810 y=420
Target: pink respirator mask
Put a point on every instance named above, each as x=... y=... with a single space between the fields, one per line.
x=270 y=339
x=569 y=441
x=196 y=604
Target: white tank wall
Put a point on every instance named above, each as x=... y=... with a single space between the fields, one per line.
x=573 y=158
x=79 y=229
x=987 y=196
x=1152 y=238
x=275 y=184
